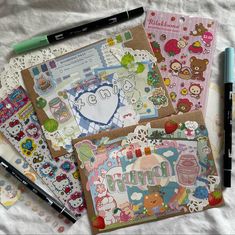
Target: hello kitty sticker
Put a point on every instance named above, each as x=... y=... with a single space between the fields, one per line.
x=184 y=48
x=23 y=130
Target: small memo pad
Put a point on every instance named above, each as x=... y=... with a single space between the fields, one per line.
x=148 y=172
x=72 y=93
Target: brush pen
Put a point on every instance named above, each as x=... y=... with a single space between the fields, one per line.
x=37 y=190
x=44 y=40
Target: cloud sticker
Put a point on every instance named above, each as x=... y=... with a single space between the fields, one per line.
x=168 y=153
x=191 y=125
x=136 y=196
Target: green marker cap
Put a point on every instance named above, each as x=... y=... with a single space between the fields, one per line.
x=31 y=44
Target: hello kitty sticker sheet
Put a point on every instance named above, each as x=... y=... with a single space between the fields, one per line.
x=19 y=124
x=184 y=47
x=148 y=172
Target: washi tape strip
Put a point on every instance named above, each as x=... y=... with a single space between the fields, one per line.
x=20 y=126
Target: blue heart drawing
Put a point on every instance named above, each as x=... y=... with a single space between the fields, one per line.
x=99 y=105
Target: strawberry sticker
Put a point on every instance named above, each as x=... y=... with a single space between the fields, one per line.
x=170 y=126
x=98 y=222
x=215 y=198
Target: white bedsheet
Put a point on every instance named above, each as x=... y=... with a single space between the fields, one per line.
x=21 y=19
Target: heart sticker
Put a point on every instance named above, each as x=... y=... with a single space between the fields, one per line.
x=98 y=106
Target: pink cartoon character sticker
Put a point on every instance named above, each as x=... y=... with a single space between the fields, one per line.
x=33 y=131
x=173 y=46
x=207 y=38
x=15 y=130
x=48 y=170
x=62 y=184
x=76 y=201
x=105 y=207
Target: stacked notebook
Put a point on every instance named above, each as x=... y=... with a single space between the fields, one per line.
x=96 y=125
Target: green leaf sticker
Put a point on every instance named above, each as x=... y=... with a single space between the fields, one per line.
x=140 y=68
x=127 y=59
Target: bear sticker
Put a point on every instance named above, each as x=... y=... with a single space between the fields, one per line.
x=198 y=66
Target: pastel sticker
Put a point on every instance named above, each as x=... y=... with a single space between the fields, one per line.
x=28 y=147
x=99 y=105
x=15 y=130
x=196 y=48
x=207 y=37
x=59 y=110
x=198 y=66
x=44 y=84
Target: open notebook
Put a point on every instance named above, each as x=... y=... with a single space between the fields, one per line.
x=148 y=172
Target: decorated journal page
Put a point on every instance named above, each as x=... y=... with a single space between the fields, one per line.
x=184 y=48
x=19 y=124
x=148 y=172
x=48 y=84
x=119 y=96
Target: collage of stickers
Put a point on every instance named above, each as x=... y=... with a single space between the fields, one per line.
x=148 y=174
x=184 y=48
x=108 y=87
x=102 y=86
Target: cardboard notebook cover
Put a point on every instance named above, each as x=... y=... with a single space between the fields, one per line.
x=53 y=87
x=148 y=172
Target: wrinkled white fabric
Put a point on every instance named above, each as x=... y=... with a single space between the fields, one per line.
x=21 y=19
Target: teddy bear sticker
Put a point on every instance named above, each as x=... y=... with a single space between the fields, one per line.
x=198 y=67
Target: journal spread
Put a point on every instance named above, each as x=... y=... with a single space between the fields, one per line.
x=110 y=84
x=148 y=172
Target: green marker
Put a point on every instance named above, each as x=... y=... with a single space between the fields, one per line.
x=44 y=40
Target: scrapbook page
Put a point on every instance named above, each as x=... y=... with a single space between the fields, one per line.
x=184 y=48
x=19 y=124
x=63 y=89
x=148 y=172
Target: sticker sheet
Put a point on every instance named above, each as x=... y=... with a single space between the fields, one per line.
x=148 y=172
x=184 y=48
x=19 y=124
x=55 y=85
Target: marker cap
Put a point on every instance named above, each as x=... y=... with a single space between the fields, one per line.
x=31 y=44
x=229 y=66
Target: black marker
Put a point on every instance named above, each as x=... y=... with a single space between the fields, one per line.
x=37 y=190
x=228 y=105
x=45 y=40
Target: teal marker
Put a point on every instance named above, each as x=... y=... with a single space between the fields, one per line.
x=44 y=40
x=228 y=105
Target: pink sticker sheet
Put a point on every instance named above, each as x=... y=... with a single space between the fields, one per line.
x=19 y=124
x=184 y=48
